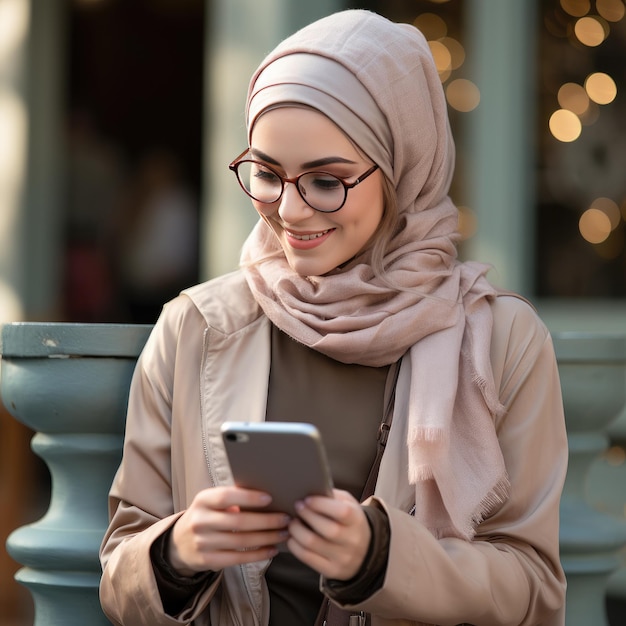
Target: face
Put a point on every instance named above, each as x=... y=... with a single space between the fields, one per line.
x=296 y=140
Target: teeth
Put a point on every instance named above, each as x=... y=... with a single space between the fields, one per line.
x=308 y=237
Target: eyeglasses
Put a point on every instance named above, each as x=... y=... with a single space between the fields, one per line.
x=320 y=190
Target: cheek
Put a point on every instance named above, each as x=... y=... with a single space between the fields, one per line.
x=264 y=210
x=376 y=212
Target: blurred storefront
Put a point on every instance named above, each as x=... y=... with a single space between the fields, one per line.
x=118 y=117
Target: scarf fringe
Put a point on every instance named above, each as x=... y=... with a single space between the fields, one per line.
x=495 y=498
x=420 y=474
x=429 y=434
x=494 y=405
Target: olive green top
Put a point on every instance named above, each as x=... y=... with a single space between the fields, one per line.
x=345 y=402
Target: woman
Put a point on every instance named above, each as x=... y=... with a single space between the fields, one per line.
x=350 y=308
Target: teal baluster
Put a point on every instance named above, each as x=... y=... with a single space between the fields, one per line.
x=69 y=383
x=592 y=369
x=606 y=490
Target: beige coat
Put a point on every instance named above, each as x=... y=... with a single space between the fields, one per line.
x=208 y=360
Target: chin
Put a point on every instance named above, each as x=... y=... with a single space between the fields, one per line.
x=305 y=269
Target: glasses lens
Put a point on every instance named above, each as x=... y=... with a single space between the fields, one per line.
x=259 y=181
x=323 y=192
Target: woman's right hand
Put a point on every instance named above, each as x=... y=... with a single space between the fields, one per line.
x=217 y=531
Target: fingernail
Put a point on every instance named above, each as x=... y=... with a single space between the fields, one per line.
x=265 y=498
x=299 y=505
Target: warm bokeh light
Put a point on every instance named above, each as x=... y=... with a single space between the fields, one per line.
x=14 y=17
x=463 y=95
x=610 y=209
x=611 y=10
x=594 y=226
x=457 y=52
x=468 y=222
x=601 y=88
x=441 y=55
x=432 y=26
x=574 y=98
x=576 y=8
x=565 y=125
x=590 y=31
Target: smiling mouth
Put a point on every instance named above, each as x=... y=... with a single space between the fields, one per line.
x=308 y=237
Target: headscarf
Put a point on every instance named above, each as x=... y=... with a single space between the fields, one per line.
x=377 y=81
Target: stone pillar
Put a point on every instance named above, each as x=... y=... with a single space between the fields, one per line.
x=15 y=20
x=69 y=383
x=239 y=34
x=32 y=81
x=592 y=369
x=499 y=132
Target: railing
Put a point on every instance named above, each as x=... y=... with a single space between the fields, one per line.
x=69 y=383
x=592 y=368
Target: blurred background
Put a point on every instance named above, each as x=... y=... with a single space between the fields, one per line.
x=118 y=119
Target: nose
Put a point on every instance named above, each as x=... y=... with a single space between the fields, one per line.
x=292 y=207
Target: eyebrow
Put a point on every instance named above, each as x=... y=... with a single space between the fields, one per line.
x=308 y=165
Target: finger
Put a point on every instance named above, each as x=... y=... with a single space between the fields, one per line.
x=235 y=521
x=245 y=540
x=227 y=558
x=314 y=510
x=346 y=496
x=212 y=551
x=319 y=523
x=231 y=496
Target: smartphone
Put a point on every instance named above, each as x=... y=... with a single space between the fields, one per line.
x=285 y=459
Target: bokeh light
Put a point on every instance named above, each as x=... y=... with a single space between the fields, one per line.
x=457 y=52
x=594 y=226
x=573 y=97
x=611 y=10
x=610 y=209
x=590 y=31
x=432 y=26
x=601 y=88
x=441 y=55
x=576 y=8
x=565 y=125
x=463 y=95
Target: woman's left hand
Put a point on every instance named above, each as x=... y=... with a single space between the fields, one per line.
x=331 y=535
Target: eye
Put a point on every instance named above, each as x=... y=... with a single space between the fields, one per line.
x=322 y=182
x=262 y=174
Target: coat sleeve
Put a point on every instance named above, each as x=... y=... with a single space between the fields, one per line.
x=141 y=506
x=510 y=573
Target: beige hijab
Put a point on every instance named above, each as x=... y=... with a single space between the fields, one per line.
x=377 y=81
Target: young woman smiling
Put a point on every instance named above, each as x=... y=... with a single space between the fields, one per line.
x=296 y=141
x=350 y=311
